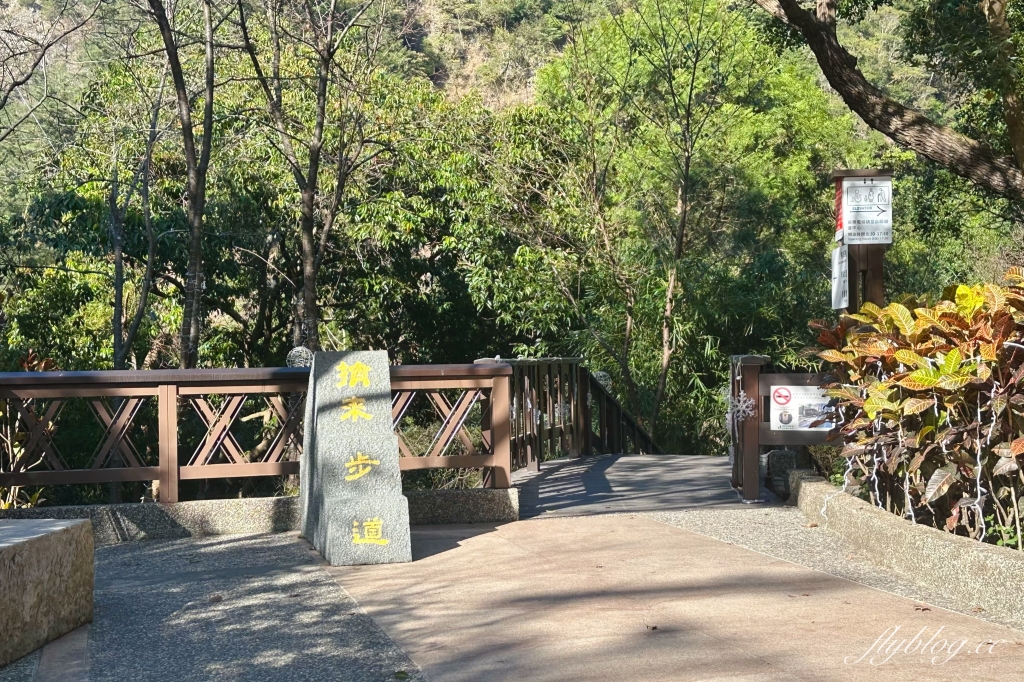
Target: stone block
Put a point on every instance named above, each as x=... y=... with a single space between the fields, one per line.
x=46 y=581
x=351 y=485
x=364 y=531
x=969 y=571
x=780 y=463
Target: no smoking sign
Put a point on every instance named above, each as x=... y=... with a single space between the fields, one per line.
x=782 y=396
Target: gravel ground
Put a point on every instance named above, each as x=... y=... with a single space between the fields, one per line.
x=257 y=607
x=21 y=670
x=784 y=533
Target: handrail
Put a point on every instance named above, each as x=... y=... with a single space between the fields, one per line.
x=615 y=423
x=554 y=401
x=116 y=398
x=196 y=376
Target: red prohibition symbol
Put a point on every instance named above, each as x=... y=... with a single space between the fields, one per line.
x=782 y=396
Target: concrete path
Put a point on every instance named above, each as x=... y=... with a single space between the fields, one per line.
x=608 y=581
x=627 y=598
x=613 y=484
x=256 y=607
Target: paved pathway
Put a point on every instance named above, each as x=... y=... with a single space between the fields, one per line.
x=627 y=483
x=620 y=597
x=607 y=581
x=257 y=607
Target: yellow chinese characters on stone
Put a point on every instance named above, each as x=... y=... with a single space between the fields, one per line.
x=359 y=466
x=372 y=533
x=351 y=375
x=354 y=408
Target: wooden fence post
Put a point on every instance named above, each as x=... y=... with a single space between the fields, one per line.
x=750 y=375
x=501 y=476
x=583 y=383
x=167 y=407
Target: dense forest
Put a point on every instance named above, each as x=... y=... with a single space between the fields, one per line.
x=645 y=183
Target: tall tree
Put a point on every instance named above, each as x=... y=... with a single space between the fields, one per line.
x=197 y=161
x=318 y=52
x=995 y=167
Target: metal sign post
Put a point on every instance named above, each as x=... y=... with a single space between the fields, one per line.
x=864 y=226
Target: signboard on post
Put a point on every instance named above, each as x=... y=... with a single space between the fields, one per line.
x=840 y=277
x=863 y=209
x=866 y=212
x=795 y=408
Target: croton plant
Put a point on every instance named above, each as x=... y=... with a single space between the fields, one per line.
x=929 y=402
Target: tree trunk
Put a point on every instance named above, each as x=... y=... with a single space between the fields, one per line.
x=197 y=165
x=310 y=309
x=117 y=247
x=962 y=155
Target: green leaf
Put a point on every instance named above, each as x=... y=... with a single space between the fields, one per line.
x=876 y=404
x=909 y=357
x=921 y=379
x=968 y=300
x=872 y=311
x=953 y=382
x=952 y=361
x=902 y=317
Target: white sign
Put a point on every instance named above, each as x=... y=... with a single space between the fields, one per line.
x=840 y=277
x=795 y=408
x=867 y=210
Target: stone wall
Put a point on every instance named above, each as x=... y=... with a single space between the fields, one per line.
x=985 y=575
x=113 y=523
x=46 y=579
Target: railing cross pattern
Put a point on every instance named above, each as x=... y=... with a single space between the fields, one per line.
x=290 y=424
x=218 y=433
x=115 y=434
x=38 y=434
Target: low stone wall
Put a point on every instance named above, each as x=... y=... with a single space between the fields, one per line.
x=475 y=505
x=114 y=523
x=46 y=581
x=978 y=573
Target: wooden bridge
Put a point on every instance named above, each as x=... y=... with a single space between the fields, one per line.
x=169 y=426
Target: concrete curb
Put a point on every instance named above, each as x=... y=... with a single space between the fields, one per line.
x=115 y=523
x=474 y=505
x=984 y=575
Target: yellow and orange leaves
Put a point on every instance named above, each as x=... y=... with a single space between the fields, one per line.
x=910 y=358
x=917 y=405
x=835 y=356
x=901 y=318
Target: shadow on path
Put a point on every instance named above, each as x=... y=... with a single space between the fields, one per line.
x=611 y=484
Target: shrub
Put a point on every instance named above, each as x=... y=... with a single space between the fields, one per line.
x=930 y=405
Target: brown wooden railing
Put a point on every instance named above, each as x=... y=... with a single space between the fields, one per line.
x=617 y=430
x=559 y=409
x=172 y=425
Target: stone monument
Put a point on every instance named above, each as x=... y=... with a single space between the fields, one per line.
x=352 y=508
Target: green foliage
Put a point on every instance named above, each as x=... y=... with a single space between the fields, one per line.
x=582 y=261
x=931 y=409
x=521 y=173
